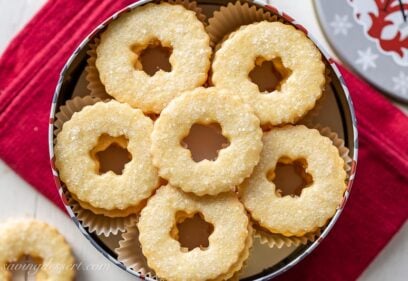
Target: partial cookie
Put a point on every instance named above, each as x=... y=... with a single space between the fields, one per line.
x=22 y=237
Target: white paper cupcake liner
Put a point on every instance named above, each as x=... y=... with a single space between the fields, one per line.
x=229 y=18
x=99 y=224
x=344 y=152
x=278 y=240
x=71 y=106
x=130 y=252
x=95 y=85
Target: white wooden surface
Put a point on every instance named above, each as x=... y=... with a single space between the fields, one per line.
x=18 y=199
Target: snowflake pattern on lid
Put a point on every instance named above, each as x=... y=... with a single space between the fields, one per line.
x=366 y=59
x=401 y=83
x=341 y=24
x=372 y=38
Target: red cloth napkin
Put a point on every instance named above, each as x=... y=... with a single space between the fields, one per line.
x=377 y=207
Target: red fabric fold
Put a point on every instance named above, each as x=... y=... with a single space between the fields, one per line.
x=29 y=71
x=377 y=207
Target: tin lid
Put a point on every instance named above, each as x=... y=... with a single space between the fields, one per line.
x=371 y=37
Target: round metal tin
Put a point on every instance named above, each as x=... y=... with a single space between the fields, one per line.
x=71 y=73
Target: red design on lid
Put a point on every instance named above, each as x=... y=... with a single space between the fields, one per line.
x=380 y=21
x=384 y=21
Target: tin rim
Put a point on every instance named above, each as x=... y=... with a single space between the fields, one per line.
x=277 y=269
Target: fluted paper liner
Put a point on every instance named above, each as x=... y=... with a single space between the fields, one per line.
x=71 y=106
x=130 y=254
x=99 y=224
x=95 y=85
x=229 y=18
x=279 y=240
